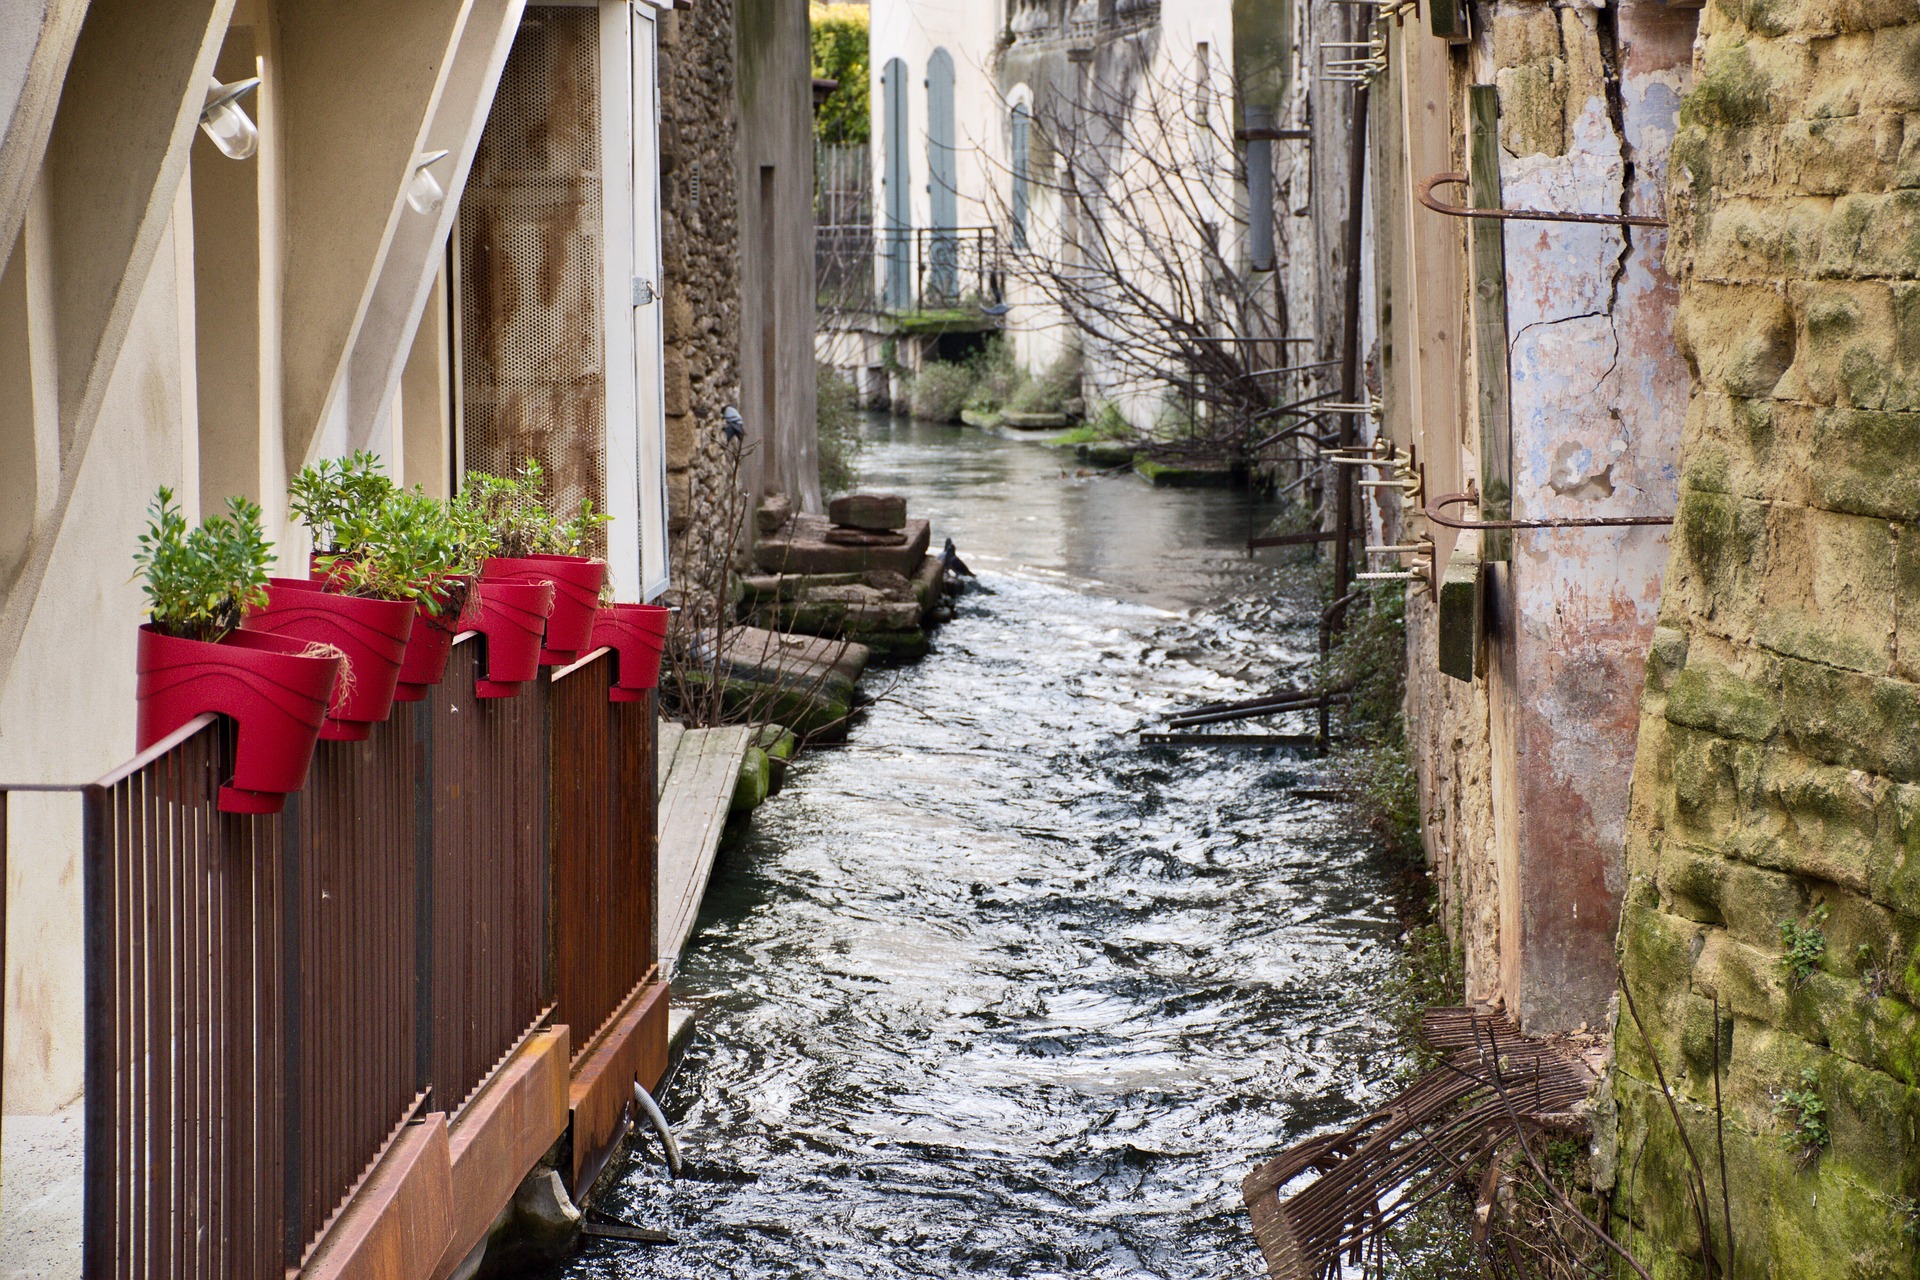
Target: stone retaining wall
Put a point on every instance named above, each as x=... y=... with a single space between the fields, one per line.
x=1777 y=781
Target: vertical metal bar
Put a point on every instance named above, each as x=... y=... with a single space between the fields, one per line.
x=101 y=1227
x=425 y=934
x=159 y=1028
x=298 y=1103
x=185 y=1014
x=114 y=810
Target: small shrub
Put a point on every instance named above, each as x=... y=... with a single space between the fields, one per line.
x=200 y=582
x=837 y=422
x=335 y=495
x=1805 y=945
x=1805 y=1114
x=508 y=516
x=996 y=379
x=940 y=391
x=1050 y=392
x=1110 y=424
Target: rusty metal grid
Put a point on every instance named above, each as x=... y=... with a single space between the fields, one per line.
x=533 y=378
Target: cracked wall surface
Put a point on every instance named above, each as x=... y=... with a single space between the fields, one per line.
x=1776 y=793
x=1524 y=770
x=1597 y=397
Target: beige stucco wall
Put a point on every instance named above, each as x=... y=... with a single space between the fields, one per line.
x=66 y=708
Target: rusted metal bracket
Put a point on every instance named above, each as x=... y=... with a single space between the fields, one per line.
x=1471 y=498
x=1434 y=203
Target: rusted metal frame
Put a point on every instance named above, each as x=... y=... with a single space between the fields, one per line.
x=1291 y=368
x=1292 y=699
x=1427 y=198
x=103 y=1221
x=1340 y=1211
x=1435 y=511
x=298 y=1107
x=426 y=937
x=1279 y=409
x=1299 y=430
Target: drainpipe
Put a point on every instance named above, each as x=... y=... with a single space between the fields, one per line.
x=1260 y=251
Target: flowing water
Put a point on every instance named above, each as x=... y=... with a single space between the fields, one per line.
x=993 y=989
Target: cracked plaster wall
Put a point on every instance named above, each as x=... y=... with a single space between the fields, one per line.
x=1588 y=104
x=1524 y=773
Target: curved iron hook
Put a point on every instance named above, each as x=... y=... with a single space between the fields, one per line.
x=1428 y=199
x=1472 y=498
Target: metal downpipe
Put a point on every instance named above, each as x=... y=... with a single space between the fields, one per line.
x=658 y=1119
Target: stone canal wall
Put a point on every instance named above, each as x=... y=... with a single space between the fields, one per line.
x=1773 y=847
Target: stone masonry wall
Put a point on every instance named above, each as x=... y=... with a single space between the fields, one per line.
x=1777 y=779
x=699 y=246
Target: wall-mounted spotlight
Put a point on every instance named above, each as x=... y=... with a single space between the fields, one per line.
x=424 y=192
x=225 y=124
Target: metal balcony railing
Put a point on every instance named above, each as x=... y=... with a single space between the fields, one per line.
x=270 y=999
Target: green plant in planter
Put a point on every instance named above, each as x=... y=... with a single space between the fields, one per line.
x=335 y=495
x=200 y=582
x=406 y=548
x=573 y=537
x=508 y=516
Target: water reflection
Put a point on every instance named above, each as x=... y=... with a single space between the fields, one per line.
x=994 y=989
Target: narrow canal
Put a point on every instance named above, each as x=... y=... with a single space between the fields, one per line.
x=993 y=989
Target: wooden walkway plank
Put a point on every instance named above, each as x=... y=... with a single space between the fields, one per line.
x=666 y=747
x=693 y=812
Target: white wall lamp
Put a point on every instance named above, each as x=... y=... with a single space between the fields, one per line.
x=225 y=124
x=424 y=192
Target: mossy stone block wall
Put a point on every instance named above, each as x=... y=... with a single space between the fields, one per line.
x=1776 y=793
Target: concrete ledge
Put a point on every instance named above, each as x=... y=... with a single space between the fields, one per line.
x=501 y=1136
x=399 y=1224
x=634 y=1048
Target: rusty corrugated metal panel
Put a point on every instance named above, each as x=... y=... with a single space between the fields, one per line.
x=349 y=853
x=487 y=876
x=185 y=1093
x=603 y=847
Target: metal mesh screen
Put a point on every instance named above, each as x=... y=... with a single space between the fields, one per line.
x=532 y=345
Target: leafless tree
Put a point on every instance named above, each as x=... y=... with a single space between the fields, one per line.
x=1145 y=256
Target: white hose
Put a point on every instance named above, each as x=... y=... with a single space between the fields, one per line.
x=658 y=1119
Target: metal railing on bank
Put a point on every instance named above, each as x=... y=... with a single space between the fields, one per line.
x=270 y=999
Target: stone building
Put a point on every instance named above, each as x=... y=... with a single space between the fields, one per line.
x=238 y=237
x=737 y=243
x=993 y=125
x=1684 y=746
x=1772 y=904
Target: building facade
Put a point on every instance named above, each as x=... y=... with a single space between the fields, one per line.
x=433 y=230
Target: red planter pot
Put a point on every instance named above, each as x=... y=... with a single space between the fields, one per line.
x=371 y=633
x=427 y=650
x=576 y=585
x=276 y=695
x=512 y=615
x=637 y=633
